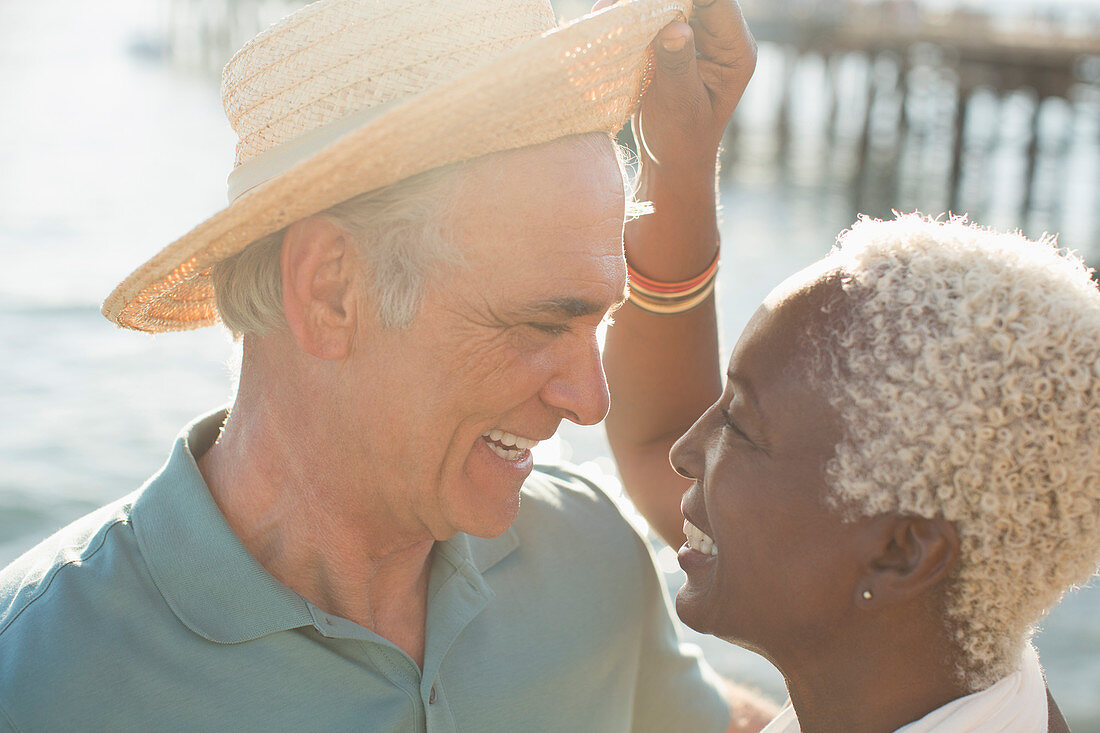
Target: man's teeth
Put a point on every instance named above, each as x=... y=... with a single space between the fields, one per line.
x=698 y=540
x=511 y=447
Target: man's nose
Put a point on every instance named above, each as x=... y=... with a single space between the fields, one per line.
x=579 y=387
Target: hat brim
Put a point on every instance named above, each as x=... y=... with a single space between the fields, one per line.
x=586 y=76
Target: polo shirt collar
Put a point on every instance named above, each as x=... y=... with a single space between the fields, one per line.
x=212 y=582
x=481 y=552
x=209 y=579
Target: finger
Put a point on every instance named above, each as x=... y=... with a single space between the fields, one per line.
x=674 y=52
x=721 y=33
x=601 y=4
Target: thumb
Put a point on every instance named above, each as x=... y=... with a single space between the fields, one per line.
x=674 y=52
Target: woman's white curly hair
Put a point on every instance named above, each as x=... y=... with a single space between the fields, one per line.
x=965 y=365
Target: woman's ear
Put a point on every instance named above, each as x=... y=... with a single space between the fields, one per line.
x=320 y=287
x=905 y=556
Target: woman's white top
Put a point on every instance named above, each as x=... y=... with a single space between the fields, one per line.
x=1016 y=703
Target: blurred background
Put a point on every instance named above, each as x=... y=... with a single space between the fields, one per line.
x=113 y=143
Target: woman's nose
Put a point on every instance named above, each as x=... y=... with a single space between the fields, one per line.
x=687 y=453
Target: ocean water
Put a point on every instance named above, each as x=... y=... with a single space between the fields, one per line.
x=108 y=152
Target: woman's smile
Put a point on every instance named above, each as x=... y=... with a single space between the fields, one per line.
x=699 y=550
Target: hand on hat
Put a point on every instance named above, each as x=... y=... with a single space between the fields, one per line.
x=701 y=70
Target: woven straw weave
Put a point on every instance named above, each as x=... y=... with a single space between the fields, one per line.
x=287 y=81
x=464 y=78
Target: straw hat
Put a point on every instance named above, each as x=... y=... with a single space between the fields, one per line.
x=347 y=96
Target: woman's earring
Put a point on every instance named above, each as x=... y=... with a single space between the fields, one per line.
x=866 y=595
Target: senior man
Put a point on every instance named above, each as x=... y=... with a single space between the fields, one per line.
x=425 y=232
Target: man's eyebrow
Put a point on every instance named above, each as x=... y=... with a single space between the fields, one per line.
x=570 y=307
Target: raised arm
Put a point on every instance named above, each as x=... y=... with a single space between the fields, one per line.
x=663 y=370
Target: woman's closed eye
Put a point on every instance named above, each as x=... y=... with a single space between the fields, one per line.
x=733 y=427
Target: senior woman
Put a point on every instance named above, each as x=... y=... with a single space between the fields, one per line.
x=900 y=478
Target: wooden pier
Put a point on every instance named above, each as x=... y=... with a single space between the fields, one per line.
x=1051 y=56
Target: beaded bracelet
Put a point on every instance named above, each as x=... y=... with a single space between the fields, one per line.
x=667 y=299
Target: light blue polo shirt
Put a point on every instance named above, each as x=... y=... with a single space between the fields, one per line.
x=149 y=614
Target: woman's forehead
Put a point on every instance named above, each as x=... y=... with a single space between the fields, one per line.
x=799 y=303
x=807 y=279
x=772 y=354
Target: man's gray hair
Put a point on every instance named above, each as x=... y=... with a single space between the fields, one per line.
x=398 y=230
x=401 y=233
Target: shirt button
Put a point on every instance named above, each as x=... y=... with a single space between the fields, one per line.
x=431 y=696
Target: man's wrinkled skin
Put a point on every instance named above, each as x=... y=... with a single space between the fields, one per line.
x=375 y=433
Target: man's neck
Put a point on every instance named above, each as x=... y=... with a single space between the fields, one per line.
x=290 y=506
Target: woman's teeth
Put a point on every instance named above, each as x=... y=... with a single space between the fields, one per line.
x=698 y=540
x=509 y=446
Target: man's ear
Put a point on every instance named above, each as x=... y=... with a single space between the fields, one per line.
x=320 y=287
x=905 y=556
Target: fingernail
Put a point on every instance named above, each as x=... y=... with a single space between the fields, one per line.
x=674 y=44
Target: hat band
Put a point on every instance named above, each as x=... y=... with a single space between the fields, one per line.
x=272 y=163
